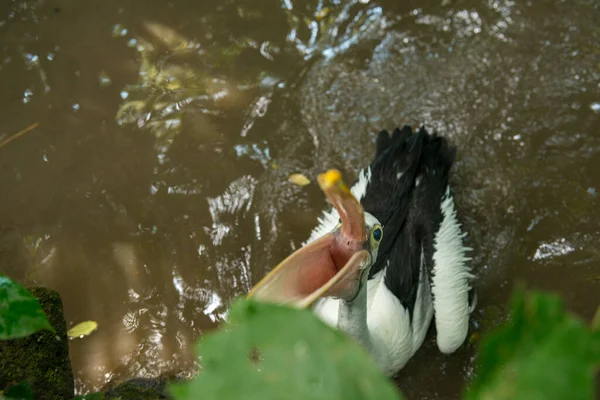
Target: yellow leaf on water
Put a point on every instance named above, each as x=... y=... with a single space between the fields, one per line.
x=82 y=329
x=299 y=179
x=474 y=338
x=322 y=14
x=173 y=85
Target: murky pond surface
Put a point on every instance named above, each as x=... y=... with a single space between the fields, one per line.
x=154 y=189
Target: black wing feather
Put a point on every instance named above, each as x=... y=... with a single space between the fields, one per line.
x=408 y=182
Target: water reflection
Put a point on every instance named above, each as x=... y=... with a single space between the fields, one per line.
x=554 y=249
x=154 y=189
x=333 y=29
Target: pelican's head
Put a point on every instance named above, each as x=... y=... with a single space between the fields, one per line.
x=335 y=265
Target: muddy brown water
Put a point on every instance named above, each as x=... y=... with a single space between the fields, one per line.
x=154 y=189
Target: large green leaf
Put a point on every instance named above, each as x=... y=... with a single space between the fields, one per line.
x=20 y=312
x=541 y=353
x=300 y=358
x=22 y=391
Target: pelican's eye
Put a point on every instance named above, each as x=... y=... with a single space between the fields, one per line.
x=377 y=234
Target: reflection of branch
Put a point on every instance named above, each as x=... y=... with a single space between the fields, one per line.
x=19 y=134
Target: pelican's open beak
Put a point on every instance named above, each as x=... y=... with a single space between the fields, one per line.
x=329 y=266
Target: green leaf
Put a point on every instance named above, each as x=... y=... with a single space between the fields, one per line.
x=20 y=312
x=300 y=358
x=542 y=353
x=22 y=391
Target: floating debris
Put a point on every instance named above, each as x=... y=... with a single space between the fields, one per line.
x=167 y=36
x=18 y=134
x=104 y=79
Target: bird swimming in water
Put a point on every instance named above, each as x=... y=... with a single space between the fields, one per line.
x=389 y=256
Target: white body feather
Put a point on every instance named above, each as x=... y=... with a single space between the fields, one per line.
x=450 y=280
x=394 y=337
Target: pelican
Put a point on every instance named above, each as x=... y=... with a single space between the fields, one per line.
x=388 y=257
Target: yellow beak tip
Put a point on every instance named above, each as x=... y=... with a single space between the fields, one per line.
x=330 y=178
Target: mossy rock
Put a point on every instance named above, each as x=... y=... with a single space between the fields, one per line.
x=137 y=389
x=41 y=359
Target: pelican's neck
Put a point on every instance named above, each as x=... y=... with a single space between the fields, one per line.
x=352 y=318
